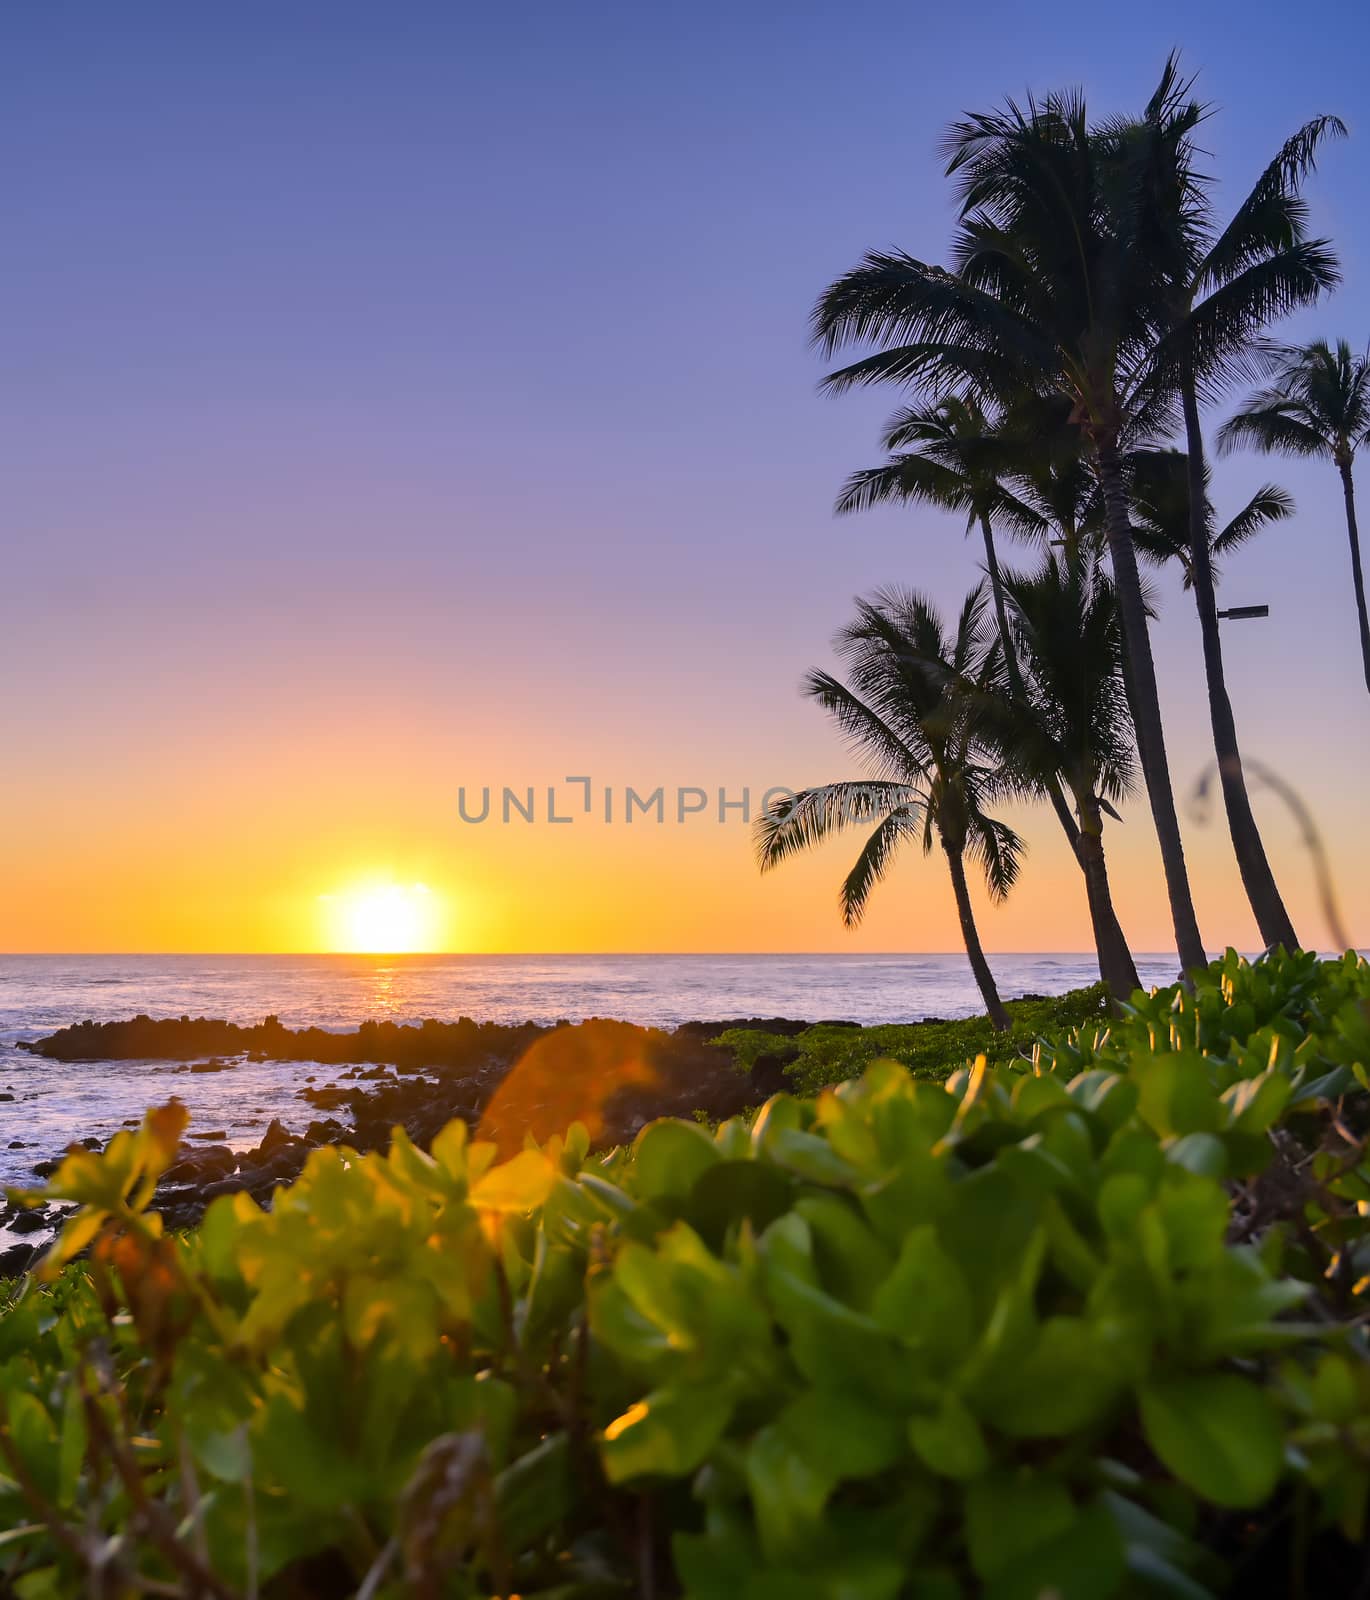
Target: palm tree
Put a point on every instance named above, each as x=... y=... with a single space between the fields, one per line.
x=950 y=455
x=1053 y=475
x=1225 y=286
x=930 y=780
x=1158 y=488
x=1071 y=724
x=1052 y=294
x=1316 y=404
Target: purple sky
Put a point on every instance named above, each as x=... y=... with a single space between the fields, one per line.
x=428 y=384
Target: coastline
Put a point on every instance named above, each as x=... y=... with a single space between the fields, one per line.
x=503 y=1081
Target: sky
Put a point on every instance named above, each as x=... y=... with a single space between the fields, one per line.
x=402 y=399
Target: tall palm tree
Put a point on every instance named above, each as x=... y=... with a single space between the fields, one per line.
x=1071 y=724
x=1316 y=404
x=951 y=456
x=1052 y=294
x=929 y=782
x=1225 y=286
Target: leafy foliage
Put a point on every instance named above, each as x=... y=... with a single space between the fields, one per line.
x=826 y=1054
x=1082 y=1325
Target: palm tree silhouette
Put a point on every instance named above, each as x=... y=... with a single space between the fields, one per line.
x=1158 y=488
x=1069 y=722
x=1224 y=287
x=1317 y=403
x=930 y=778
x=1053 y=293
x=951 y=456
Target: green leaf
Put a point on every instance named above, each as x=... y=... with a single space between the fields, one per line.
x=36 y=1439
x=1067 y=1380
x=1008 y=1515
x=535 y=1493
x=669 y=1158
x=224 y=1453
x=852 y=1261
x=732 y=1192
x=520 y=1184
x=668 y=1434
x=1082 y=1562
x=1176 y=1095
x=836 y=1347
x=1256 y=1104
x=301 y=1454
x=72 y=1446
x=850 y=1435
x=1199 y=1153
x=1218 y=1433
x=809 y=1156
x=789 y=1488
x=949 y=1441
x=43 y=1583
x=926 y=1299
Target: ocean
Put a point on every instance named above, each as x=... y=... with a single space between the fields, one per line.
x=56 y=1103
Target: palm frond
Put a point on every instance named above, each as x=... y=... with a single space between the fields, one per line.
x=1222 y=328
x=904 y=480
x=998 y=851
x=1271 y=216
x=799 y=822
x=1274 y=425
x=876 y=858
x=1270 y=503
x=869 y=735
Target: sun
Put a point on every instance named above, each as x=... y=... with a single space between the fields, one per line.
x=383 y=919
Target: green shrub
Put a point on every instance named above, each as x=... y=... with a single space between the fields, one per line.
x=1089 y=1325
x=825 y=1054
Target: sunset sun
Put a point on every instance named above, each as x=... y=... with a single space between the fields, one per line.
x=382 y=919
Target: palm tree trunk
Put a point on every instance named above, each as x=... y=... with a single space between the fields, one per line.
x=970 y=934
x=1116 y=966
x=1257 y=879
x=1146 y=706
x=1348 y=490
x=1110 y=943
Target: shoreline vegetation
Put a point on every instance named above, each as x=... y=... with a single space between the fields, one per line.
x=1088 y=1320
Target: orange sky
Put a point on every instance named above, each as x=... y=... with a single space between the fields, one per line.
x=230 y=843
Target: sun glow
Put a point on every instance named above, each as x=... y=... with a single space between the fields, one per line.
x=383 y=919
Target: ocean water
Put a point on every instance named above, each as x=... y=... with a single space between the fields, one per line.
x=56 y=1103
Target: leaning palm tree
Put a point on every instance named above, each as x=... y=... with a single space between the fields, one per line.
x=1052 y=294
x=1316 y=404
x=1071 y=724
x=930 y=781
x=1225 y=286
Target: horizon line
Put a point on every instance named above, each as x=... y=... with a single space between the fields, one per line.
x=531 y=955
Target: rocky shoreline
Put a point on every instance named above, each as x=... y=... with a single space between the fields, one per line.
x=503 y=1081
